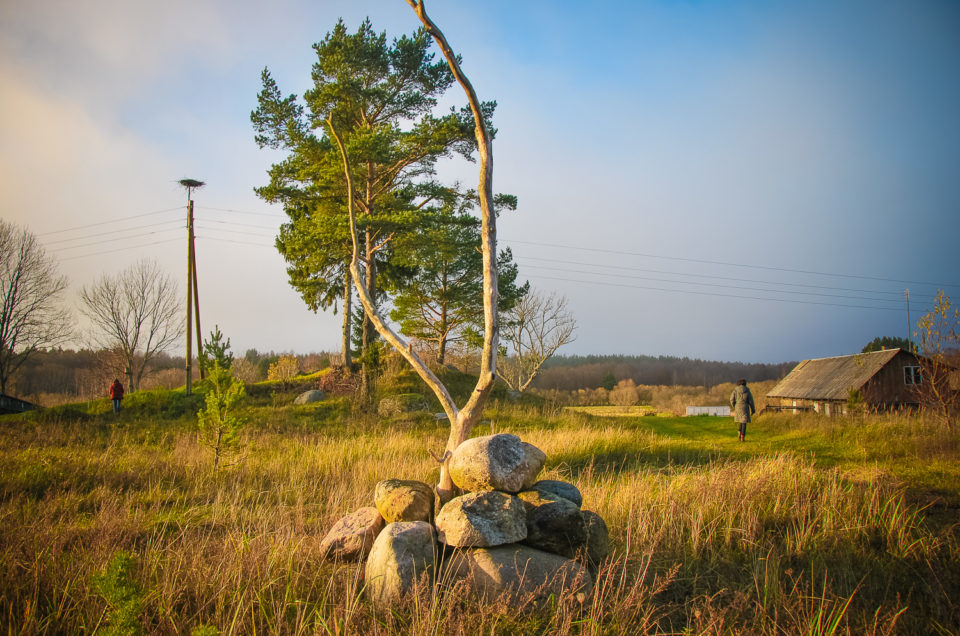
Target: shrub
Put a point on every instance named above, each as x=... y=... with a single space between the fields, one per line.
x=284 y=369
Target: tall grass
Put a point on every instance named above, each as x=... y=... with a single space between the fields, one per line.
x=814 y=526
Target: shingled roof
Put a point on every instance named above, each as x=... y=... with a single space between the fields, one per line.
x=831 y=378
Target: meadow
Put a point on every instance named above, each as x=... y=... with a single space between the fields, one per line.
x=117 y=524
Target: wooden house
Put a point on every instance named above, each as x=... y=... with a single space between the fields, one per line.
x=885 y=379
x=10 y=404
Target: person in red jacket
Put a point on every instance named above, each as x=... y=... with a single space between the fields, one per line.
x=116 y=394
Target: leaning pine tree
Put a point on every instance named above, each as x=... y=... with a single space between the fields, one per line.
x=462 y=420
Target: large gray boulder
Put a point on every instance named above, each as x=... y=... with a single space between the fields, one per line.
x=308 y=397
x=351 y=538
x=482 y=519
x=598 y=537
x=496 y=462
x=404 y=500
x=519 y=573
x=559 y=488
x=554 y=524
x=400 y=563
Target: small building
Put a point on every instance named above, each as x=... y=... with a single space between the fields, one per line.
x=720 y=411
x=9 y=404
x=886 y=379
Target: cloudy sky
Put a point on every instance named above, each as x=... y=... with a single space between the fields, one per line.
x=748 y=181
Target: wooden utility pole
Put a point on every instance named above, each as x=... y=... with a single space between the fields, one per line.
x=196 y=295
x=906 y=294
x=193 y=297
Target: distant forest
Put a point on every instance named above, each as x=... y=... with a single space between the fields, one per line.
x=569 y=373
x=86 y=374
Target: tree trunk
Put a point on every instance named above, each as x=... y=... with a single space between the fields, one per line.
x=347 y=318
x=369 y=332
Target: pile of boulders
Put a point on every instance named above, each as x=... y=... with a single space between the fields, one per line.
x=507 y=535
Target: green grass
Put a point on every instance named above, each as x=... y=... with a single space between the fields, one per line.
x=811 y=526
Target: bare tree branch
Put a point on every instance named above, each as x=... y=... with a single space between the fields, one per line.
x=535 y=328
x=136 y=312
x=31 y=316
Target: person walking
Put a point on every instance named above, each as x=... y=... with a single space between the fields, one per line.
x=116 y=394
x=741 y=401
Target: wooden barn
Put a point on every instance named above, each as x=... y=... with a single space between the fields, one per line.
x=886 y=379
x=9 y=404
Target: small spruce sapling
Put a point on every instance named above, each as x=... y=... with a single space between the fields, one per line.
x=219 y=425
x=216 y=349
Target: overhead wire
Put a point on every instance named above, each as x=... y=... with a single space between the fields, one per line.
x=202 y=225
x=730 y=264
x=112 y=240
x=898 y=292
x=118 y=220
x=705 y=293
x=716 y=285
x=120 y=249
x=127 y=229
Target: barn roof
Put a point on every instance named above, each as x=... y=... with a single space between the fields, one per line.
x=832 y=378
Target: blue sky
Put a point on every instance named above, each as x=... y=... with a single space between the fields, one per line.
x=726 y=180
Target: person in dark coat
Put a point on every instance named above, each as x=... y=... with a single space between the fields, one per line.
x=116 y=394
x=743 y=406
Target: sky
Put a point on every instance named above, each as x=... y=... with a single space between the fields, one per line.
x=755 y=181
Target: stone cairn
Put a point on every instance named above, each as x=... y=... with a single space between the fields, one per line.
x=507 y=535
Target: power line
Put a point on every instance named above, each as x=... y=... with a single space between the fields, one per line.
x=112 y=240
x=272 y=228
x=223 y=240
x=715 y=277
x=219 y=229
x=703 y=293
x=119 y=220
x=128 y=229
x=718 y=285
x=728 y=264
x=119 y=249
x=272 y=216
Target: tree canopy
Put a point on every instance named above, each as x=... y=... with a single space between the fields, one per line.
x=888 y=342
x=442 y=302
x=380 y=95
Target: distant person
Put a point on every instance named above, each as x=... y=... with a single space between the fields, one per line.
x=741 y=401
x=116 y=394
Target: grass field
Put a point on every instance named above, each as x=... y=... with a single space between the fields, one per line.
x=116 y=524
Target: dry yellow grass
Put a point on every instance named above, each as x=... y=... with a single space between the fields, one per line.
x=804 y=531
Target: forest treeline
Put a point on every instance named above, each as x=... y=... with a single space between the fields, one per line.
x=56 y=376
x=570 y=373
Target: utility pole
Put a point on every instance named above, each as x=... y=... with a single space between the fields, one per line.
x=190 y=185
x=906 y=294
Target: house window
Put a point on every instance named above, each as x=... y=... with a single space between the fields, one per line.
x=911 y=376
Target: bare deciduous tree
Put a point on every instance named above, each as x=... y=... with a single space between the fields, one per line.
x=136 y=313
x=625 y=394
x=31 y=316
x=534 y=329
x=939 y=385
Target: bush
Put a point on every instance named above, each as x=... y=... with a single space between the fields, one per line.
x=284 y=369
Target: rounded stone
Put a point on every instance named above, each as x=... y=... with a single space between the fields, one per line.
x=401 y=562
x=404 y=500
x=554 y=524
x=559 y=488
x=351 y=538
x=495 y=462
x=482 y=519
